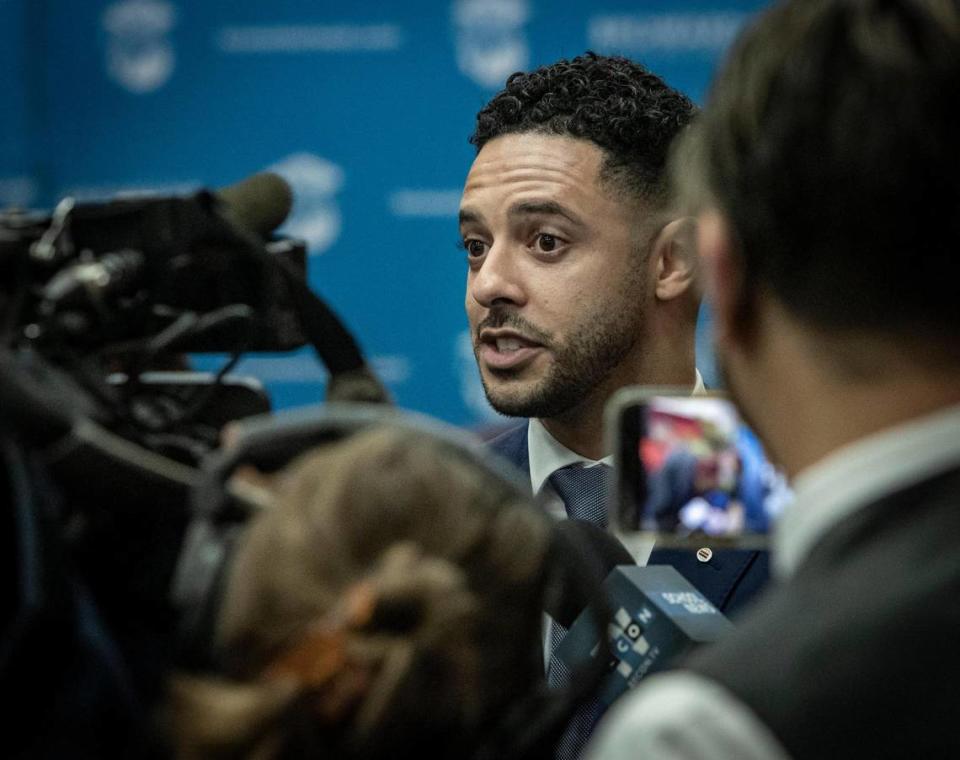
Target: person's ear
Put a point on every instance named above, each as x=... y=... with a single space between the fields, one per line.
x=724 y=279
x=674 y=251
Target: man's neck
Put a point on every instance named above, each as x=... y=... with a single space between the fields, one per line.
x=581 y=429
x=852 y=415
x=805 y=410
x=581 y=435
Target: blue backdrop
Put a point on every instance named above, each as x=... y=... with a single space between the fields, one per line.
x=364 y=107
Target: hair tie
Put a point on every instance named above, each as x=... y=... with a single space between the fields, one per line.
x=319 y=661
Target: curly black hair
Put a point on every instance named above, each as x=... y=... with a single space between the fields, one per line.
x=616 y=103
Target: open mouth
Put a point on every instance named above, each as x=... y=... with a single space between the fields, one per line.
x=503 y=349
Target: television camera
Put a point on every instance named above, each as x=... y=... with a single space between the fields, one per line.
x=102 y=429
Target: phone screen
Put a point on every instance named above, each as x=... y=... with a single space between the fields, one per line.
x=688 y=468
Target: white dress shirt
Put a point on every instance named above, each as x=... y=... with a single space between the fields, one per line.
x=547 y=455
x=683 y=716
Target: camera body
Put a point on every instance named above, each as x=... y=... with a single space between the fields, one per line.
x=95 y=274
x=99 y=454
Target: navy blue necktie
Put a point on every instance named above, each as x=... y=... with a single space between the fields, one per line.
x=584 y=491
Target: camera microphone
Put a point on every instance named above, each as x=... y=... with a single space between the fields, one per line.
x=599 y=553
x=259 y=203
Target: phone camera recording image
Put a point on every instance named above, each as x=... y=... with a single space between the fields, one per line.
x=688 y=467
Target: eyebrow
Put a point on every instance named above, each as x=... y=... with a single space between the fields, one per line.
x=544 y=208
x=468 y=216
x=524 y=208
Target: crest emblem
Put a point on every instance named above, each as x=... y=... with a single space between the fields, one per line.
x=315 y=182
x=140 y=56
x=489 y=39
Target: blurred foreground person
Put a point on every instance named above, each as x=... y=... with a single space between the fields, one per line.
x=825 y=175
x=387 y=605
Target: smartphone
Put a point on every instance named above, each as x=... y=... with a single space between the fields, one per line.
x=688 y=469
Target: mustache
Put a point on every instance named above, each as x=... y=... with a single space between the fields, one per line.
x=499 y=317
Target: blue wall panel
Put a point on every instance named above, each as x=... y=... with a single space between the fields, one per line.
x=365 y=107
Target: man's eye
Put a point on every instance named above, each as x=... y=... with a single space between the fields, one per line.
x=547 y=242
x=474 y=247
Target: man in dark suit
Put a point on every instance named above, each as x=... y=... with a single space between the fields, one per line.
x=582 y=279
x=825 y=173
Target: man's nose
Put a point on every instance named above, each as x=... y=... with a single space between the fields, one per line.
x=498 y=280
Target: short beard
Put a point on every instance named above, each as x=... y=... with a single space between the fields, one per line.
x=580 y=365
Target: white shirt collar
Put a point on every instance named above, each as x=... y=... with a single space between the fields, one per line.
x=547 y=454
x=860 y=473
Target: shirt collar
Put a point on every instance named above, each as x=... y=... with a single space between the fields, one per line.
x=858 y=474
x=547 y=454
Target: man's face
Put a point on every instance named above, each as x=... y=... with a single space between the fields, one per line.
x=556 y=288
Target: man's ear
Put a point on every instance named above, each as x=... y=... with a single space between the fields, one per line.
x=723 y=274
x=674 y=251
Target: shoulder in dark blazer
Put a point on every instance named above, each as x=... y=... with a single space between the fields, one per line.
x=730 y=579
x=511 y=445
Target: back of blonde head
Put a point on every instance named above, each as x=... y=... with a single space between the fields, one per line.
x=388 y=604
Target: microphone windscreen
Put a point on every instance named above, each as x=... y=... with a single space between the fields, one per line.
x=597 y=553
x=259 y=203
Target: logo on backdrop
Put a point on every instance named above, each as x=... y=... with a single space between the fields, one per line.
x=647 y=33
x=309 y=38
x=305 y=367
x=140 y=56
x=425 y=203
x=490 y=39
x=316 y=215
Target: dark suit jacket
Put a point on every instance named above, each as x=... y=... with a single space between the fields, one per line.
x=856 y=655
x=729 y=580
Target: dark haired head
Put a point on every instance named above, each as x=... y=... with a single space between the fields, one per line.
x=632 y=114
x=830 y=143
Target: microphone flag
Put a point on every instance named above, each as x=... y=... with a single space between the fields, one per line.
x=657 y=616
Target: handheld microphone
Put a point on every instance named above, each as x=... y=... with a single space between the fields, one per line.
x=657 y=616
x=598 y=554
